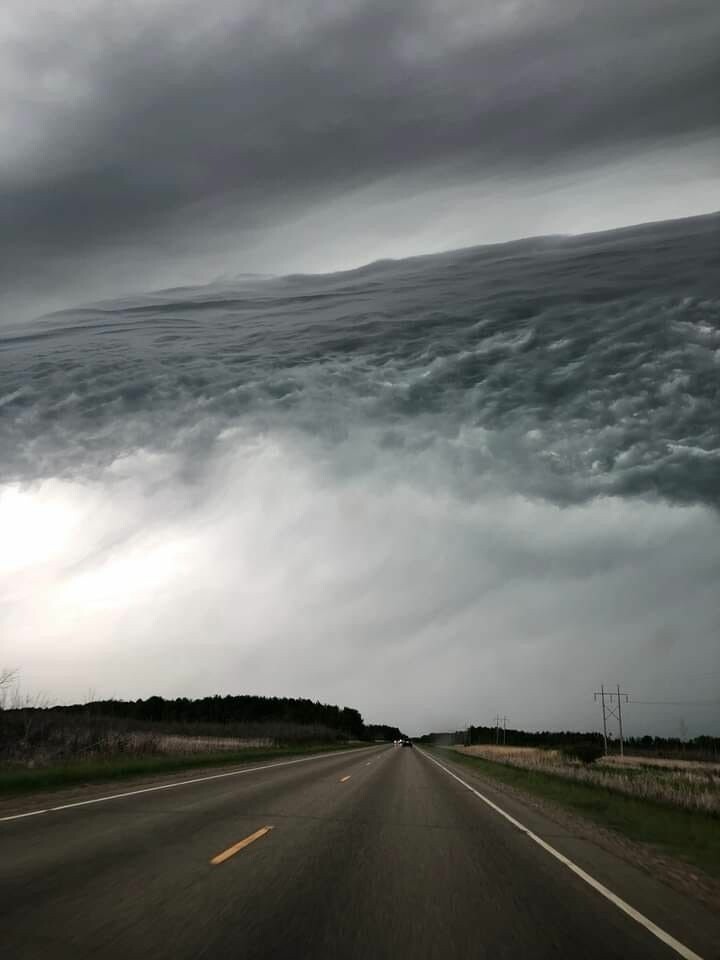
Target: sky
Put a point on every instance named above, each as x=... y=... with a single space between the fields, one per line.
x=156 y=539
x=157 y=143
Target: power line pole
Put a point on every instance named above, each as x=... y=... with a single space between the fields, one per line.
x=500 y=723
x=602 y=700
x=611 y=708
x=619 y=696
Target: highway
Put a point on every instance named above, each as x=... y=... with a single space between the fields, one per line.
x=372 y=853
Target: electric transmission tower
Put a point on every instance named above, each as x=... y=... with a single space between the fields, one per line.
x=500 y=729
x=611 y=709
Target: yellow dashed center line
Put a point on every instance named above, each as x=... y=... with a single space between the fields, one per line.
x=343 y=779
x=236 y=848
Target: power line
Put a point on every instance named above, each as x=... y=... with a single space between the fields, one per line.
x=612 y=704
x=679 y=703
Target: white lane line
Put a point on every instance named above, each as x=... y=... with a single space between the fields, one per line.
x=170 y=786
x=657 y=931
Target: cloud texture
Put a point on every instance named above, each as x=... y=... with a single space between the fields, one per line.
x=435 y=489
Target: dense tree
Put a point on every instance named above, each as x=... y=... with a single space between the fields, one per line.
x=381 y=731
x=562 y=738
x=239 y=709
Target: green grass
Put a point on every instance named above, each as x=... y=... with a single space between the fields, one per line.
x=685 y=835
x=16 y=781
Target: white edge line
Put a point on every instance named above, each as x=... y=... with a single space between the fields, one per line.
x=179 y=783
x=657 y=931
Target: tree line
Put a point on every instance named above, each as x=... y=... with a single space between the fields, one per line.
x=245 y=708
x=560 y=738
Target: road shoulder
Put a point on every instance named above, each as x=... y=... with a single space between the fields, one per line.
x=672 y=894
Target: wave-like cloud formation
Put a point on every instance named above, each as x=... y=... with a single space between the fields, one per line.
x=567 y=368
x=459 y=483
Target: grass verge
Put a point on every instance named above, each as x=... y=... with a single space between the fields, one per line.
x=685 y=835
x=15 y=782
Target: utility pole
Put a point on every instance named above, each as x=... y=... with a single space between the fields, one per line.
x=498 y=721
x=610 y=708
x=602 y=699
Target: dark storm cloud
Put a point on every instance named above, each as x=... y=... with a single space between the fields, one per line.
x=135 y=127
x=564 y=368
x=478 y=481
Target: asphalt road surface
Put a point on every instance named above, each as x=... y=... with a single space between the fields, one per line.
x=372 y=853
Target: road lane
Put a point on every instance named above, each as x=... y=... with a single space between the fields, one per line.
x=399 y=860
x=59 y=801
x=85 y=844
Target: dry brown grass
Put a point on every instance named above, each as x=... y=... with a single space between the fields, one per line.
x=37 y=739
x=176 y=743
x=687 y=784
x=520 y=756
x=665 y=763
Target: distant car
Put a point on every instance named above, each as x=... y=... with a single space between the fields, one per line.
x=406 y=743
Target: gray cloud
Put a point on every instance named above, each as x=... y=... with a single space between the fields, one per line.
x=275 y=574
x=480 y=481
x=570 y=368
x=151 y=128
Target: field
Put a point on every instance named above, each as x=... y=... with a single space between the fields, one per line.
x=47 y=749
x=685 y=784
